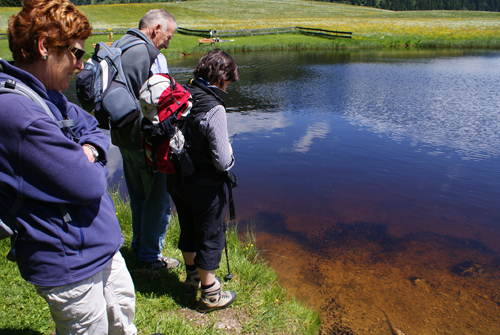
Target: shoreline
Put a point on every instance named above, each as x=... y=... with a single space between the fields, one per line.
x=185 y=46
x=263 y=306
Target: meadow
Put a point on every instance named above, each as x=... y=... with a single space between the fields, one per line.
x=371 y=27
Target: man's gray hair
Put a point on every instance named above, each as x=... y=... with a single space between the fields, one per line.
x=155 y=16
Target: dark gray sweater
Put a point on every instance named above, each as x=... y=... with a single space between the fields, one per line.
x=136 y=63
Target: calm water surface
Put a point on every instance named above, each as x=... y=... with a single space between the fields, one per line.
x=372 y=182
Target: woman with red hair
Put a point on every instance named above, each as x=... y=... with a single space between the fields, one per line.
x=53 y=177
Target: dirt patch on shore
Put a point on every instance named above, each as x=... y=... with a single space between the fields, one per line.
x=426 y=284
x=228 y=321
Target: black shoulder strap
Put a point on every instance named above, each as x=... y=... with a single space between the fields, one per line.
x=231 y=182
x=11 y=222
x=197 y=83
x=9 y=219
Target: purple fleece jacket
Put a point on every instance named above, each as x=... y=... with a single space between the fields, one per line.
x=43 y=165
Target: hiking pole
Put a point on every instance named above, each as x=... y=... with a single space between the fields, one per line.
x=229 y=275
x=232 y=138
x=231 y=182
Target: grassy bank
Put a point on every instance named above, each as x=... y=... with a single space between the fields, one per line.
x=262 y=306
x=371 y=27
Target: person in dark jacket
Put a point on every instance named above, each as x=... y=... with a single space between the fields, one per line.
x=200 y=197
x=149 y=199
x=68 y=238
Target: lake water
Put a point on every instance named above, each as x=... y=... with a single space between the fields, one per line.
x=371 y=180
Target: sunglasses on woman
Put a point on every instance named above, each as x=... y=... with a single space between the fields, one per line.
x=79 y=53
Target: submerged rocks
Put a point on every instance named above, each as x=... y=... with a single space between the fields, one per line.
x=468 y=269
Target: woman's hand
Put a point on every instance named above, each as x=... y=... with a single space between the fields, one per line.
x=89 y=151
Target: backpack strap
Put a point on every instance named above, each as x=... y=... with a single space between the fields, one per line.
x=231 y=182
x=213 y=96
x=9 y=226
x=127 y=45
x=10 y=221
x=134 y=33
x=152 y=50
x=12 y=86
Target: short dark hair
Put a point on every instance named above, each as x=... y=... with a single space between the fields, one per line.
x=217 y=65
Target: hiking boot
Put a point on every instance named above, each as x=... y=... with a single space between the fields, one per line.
x=192 y=283
x=214 y=298
x=162 y=263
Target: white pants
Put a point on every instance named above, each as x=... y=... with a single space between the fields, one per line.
x=99 y=305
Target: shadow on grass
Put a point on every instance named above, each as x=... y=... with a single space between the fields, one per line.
x=17 y=331
x=157 y=282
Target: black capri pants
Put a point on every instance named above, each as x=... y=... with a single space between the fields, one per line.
x=200 y=209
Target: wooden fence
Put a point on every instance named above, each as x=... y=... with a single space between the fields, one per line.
x=264 y=31
x=324 y=32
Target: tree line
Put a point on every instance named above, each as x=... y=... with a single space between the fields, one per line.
x=405 y=5
x=18 y=3
x=398 y=5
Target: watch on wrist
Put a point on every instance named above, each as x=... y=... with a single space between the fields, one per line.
x=95 y=153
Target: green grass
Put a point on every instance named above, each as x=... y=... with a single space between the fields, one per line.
x=182 y=45
x=262 y=306
x=371 y=27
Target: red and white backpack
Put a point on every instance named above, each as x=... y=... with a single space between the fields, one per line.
x=166 y=107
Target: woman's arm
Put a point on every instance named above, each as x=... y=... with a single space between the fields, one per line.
x=214 y=127
x=54 y=168
x=86 y=127
x=90 y=134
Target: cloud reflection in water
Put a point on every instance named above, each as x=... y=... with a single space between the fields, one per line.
x=444 y=104
x=316 y=130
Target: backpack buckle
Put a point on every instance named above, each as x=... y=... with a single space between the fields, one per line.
x=10 y=83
